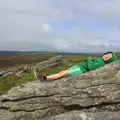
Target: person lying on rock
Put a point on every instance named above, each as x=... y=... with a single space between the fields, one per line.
x=86 y=65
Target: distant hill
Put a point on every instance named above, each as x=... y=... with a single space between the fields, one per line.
x=76 y=54
x=21 y=53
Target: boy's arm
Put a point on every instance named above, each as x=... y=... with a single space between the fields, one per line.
x=94 y=63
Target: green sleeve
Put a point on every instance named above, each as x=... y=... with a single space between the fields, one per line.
x=94 y=63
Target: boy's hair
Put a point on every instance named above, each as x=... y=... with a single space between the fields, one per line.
x=107 y=53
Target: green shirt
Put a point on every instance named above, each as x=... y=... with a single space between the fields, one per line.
x=94 y=63
x=91 y=64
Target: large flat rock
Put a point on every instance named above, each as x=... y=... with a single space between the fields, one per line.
x=95 y=91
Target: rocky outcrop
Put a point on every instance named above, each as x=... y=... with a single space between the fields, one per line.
x=56 y=61
x=16 y=71
x=92 y=96
x=52 y=62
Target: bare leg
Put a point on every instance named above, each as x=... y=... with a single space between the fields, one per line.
x=58 y=75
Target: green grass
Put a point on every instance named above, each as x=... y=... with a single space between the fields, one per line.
x=8 y=82
x=53 y=70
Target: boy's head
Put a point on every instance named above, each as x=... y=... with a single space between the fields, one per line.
x=109 y=57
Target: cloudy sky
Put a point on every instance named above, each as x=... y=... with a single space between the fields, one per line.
x=60 y=25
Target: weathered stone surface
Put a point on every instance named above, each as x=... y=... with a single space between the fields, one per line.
x=95 y=91
x=80 y=115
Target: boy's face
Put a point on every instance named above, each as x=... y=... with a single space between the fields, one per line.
x=107 y=56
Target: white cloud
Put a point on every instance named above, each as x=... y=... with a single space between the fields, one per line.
x=47 y=27
x=26 y=24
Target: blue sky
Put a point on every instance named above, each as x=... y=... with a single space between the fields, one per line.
x=60 y=25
